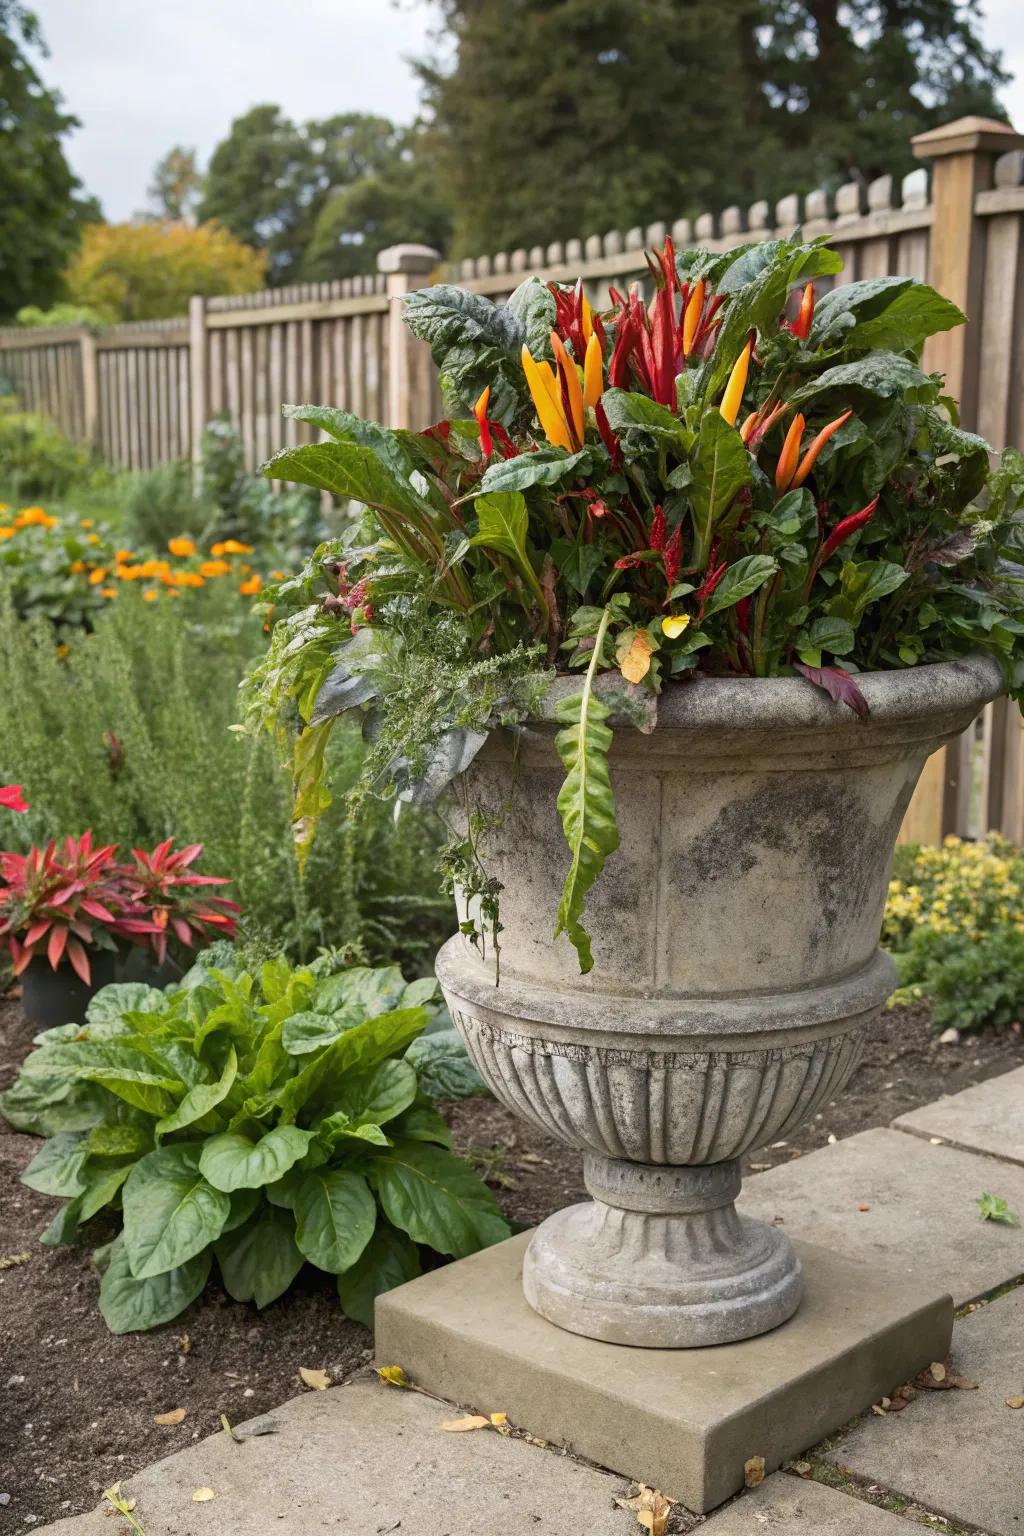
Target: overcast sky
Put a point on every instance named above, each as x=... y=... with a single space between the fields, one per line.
x=143 y=75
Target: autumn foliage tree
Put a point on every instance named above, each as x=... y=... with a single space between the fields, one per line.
x=148 y=271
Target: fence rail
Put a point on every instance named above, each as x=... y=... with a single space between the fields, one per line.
x=142 y=393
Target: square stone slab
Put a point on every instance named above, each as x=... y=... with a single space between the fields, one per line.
x=922 y=1217
x=986 y=1118
x=803 y=1509
x=362 y=1458
x=684 y=1420
x=959 y=1453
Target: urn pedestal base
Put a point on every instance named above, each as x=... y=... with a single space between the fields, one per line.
x=661 y=1259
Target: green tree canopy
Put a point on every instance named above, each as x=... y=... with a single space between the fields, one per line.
x=39 y=195
x=177 y=184
x=566 y=117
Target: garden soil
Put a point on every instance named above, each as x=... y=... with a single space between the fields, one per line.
x=78 y=1404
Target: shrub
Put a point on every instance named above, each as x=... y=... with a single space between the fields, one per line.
x=38 y=459
x=159 y=503
x=955 y=926
x=129 y=733
x=264 y=1123
x=147 y=271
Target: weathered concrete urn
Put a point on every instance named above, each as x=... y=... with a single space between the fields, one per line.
x=736 y=970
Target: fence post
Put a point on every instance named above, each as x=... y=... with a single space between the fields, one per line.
x=963 y=156
x=198 y=375
x=90 y=389
x=406 y=267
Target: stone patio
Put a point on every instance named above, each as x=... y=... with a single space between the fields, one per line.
x=371 y=1458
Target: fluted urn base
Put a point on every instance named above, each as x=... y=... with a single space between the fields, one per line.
x=661 y=1258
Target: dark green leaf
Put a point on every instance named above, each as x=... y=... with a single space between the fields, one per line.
x=335 y=1215
x=130 y=1305
x=259 y=1261
x=443 y=1066
x=740 y=579
x=434 y=1197
x=389 y=1259
x=721 y=468
x=171 y=1213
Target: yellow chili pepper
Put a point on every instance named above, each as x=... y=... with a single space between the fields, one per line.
x=732 y=399
x=593 y=372
x=569 y=389
x=544 y=392
x=692 y=314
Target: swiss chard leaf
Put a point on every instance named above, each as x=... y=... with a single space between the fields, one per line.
x=335 y=1215
x=434 y=1197
x=390 y=1258
x=130 y=1305
x=721 y=468
x=259 y=1260
x=171 y=1212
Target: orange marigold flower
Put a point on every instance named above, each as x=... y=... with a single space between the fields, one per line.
x=150 y=595
x=278 y=575
x=214 y=567
x=76 y=567
x=230 y=547
x=35 y=517
x=108 y=591
x=128 y=572
x=187 y=579
x=121 y=555
x=7 y=533
x=63 y=650
x=173 y=593
x=182 y=546
x=252 y=586
x=98 y=576
x=153 y=568
x=90 y=538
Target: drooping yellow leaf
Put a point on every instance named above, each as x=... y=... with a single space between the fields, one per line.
x=753 y=1471
x=393 y=1375
x=651 y=1507
x=203 y=1495
x=471 y=1421
x=319 y=1381
x=174 y=1416
x=634 y=659
x=673 y=624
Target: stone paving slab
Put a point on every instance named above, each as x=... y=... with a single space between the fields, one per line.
x=684 y=1420
x=922 y=1217
x=958 y=1453
x=799 y=1508
x=986 y=1118
x=360 y=1459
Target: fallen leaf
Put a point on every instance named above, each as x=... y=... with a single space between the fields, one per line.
x=535 y=1440
x=226 y=1427
x=801 y=1468
x=393 y=1375
x=673 y=624
x=753 y=1472
x=877 y=1408
x=175 y=1416
x=13 y=1259
x=1015 y=1402
x=960 y=1383
x=635 y=660
x=937 y=1371
x=863 y=1207
x=499 y=1418
x=470 y=1421
x=184 y=1343
x=203 y=1495
x=319 y=1381
x=651 y=1507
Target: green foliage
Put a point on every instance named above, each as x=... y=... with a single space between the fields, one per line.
x=683 y=105
x=38 y=192
x=177 y=184
x=149 y=270
x=192 y=1113
x=160 y=503
x=142 y=708
x=60 y=315
x=955 y=928
x=995 y=1208
x=37 y=459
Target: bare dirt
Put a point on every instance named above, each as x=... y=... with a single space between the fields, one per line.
x=77 y=1403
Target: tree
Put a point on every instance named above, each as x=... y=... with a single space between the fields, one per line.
x=566 y=117
x=148 y=270
x=271 y=180
x=177 y=185
x=42 y=213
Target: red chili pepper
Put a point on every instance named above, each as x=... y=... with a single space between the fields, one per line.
x=842 y=531
x=710 y=582
x=608 y=437
x=801 y=326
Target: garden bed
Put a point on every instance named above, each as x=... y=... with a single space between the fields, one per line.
x=78 y=1402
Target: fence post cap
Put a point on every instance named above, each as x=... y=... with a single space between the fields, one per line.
x=408 y=258
x=967 y=135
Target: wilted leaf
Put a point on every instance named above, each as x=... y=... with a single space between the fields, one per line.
x=801 y=1468
x=471 y=1421
x=13 y=1259
x=226 y=1427
x=937 y=1371
x=635 y=658
x=319 y=1381
x=651 y=1507
x=203 y=1495
x=499 y=1419
x=174 y=1416
x=393 y=1375
x=753 y=1471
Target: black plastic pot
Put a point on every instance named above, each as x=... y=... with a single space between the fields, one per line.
x=137 y=964
x=50 y=997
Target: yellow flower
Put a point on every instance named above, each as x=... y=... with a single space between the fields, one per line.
x=98 y=576
x=673 y=624
x=7 y=533
x=250 y=587
x=150 y=595
x=158 y=568
x=34 y=517
x=215 y=567
x=63 y=650
x=87 y=522
x=230 y=547
x=186 y=579
x=77 y=567
x=90 y=538
x=121 y=555
x=182 y=546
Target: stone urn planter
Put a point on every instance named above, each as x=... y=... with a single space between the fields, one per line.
x=737 y=968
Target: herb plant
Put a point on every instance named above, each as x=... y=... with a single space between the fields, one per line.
x=743 y=477
x=261 y=1123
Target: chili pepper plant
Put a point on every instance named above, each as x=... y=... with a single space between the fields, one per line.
x=748 y=474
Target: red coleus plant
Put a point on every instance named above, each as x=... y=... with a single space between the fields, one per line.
x=171 y=894
x=64 y=899
x=11 y=798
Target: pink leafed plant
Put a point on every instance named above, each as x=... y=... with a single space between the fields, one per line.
x=177 y=901
x=11 y=798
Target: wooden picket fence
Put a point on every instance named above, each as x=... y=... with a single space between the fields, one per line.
x=142 y=393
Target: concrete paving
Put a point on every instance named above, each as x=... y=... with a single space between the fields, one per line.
x=802 y=1508
x=684 y=1421
x=988 y=1118
x=921 y=1215
x=959 y=1453
x=360 y=1459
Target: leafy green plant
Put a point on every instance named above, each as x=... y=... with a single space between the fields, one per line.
x=954 y=923
x=995 y=1208
x=732 y=478
x=158 y=504
x=259 y=1123
x=37 y=458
